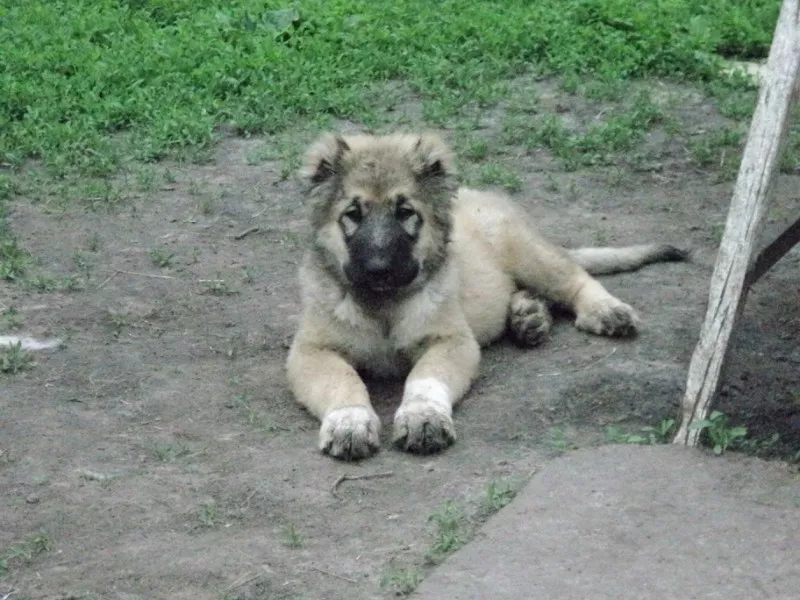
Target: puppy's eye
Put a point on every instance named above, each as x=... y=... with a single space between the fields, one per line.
x=404 y=212
x=353 y=212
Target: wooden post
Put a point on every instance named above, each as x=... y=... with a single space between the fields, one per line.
x=765 y=140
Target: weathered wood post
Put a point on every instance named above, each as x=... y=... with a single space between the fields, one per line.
x=762 y=153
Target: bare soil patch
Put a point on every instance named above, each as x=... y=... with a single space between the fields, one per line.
x=158 y=454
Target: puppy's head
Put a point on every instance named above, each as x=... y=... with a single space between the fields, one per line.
x=381 y=208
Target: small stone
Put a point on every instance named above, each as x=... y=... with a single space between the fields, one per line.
x=32 y=499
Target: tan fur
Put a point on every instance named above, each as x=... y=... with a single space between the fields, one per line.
x=484 y=266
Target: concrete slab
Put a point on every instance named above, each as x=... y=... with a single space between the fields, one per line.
x=621 y=522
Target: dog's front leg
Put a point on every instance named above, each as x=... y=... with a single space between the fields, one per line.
x=441 y=376
x=330 y=388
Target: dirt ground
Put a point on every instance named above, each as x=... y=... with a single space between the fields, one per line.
x=158 y=453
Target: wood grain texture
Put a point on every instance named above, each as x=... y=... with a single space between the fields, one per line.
x=759 y=164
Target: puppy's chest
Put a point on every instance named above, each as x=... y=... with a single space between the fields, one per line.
x=379 y=356
x=377 y=343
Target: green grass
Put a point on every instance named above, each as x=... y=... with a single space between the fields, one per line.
x=451 y=532
x=558 y=441
x=647 y=436
x=495 y=175
x=14 y=358
x=623 y=127
x=161 y=258
x=169 y=452
x=90 y=84
x=720 y=434
x=10 y=318
x=292 y=537
x=209 y=515
x=24 y=552
x=498 y=495
x=401 y=581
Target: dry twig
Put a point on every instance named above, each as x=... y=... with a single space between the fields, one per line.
x=347 y=477
x=582 y=368
x=120 y=272
x=342 y=577
x=246 y=232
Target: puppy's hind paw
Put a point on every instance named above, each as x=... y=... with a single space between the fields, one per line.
x=617 y=320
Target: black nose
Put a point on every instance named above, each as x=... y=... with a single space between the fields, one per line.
x=377 y=265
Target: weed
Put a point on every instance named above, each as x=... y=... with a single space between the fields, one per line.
x=450 y=532
x=169 y=452
x=41 y=283
x=44 y=283
x=525 y=101
x=217 y=287
x=612 y=88
x=790 y=159
x=649 y=436
x=254 y=417
x=24 y=552
x=11 y=318
x=476 y=150
x=207 y=204
x=290 y=165
x=118 y=322
x=161 y=258
x=169 y=176
x=712 y=149
x=209 y=514
x=248 y=274
x=8 y=187
x=261 y=153
x=146 y=180
x=498 y=495
x=551 y=184
x=13 y=259
x=100 y=195
x=557 y=440
x=14 y=358
x=716 y=233
x=736 y=96
x=69 y=283
x=401 y=581
x=94 y=243
x=292 y=538
x=719 y=431
x=494 y=174
x=571 y=83
x=760 y=446
x=194 y=189
x=83 y=263
x=600 y=237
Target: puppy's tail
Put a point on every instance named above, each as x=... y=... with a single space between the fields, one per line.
x=605 y=261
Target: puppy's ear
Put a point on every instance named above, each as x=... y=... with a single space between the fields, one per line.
x=432 y=158
x=324 y=158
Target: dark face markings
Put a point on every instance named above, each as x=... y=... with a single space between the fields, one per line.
x=380 y=239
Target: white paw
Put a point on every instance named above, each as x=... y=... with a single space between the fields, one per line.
x=615 y=319
x=350 y=433
x=423 y=424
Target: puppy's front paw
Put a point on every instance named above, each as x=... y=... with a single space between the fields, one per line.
x=423 y=427
x=614 y=319
x=350 y=433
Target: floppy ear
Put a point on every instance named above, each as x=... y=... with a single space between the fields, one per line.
x=432 y=158
x=323 y=159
